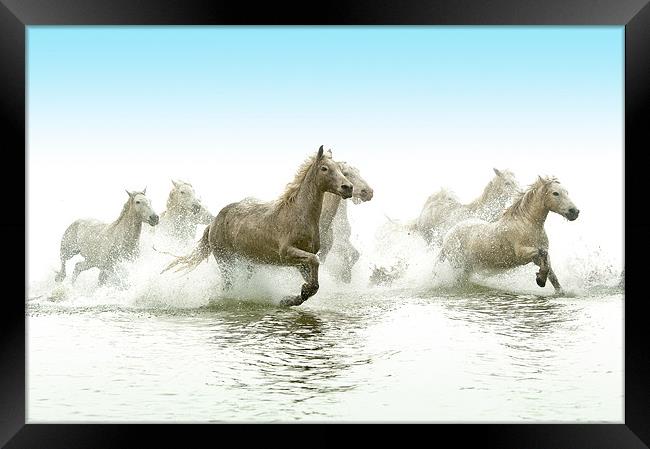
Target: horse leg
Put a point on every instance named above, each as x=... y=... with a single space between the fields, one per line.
x=541 y=260
x=60 y=275
x=68 y=250
x=553 y=278
x=351 y=258
x=250 y=270
x=310 y=261
x=103 y=276
x=78 y=268
x=326 y=242
x=225 y=268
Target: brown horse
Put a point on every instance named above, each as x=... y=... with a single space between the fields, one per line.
x=283 y=232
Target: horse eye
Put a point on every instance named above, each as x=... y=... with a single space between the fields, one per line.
x=323 y=168
x=556 y=194
x=137 y=202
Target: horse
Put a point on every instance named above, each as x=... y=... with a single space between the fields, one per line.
x=183 y=214
x=516 y=239
x=334 y=223
x=284 y=232
x=442 y=210
x=103 y=245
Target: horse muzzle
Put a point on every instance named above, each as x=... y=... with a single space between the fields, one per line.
x=366 y=195
x=345 y=191
x=153 y=219
x=572 y=214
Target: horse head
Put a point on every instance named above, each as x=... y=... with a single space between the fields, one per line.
x=141 y=205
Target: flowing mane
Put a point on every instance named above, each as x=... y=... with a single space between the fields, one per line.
x=521 y=203
x=291 y=190
x=125 y=209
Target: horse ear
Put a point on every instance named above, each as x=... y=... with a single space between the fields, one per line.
x=498 y=173
x=329 y=152
x=320 y=152
x=128 y=193
x=175 y=183
x=144 y=192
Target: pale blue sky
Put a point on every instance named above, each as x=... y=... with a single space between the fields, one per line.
x=161 y=89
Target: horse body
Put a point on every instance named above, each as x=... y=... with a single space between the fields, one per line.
x=183 y=214
x=283 y=232
x=516 y=239
x=103 y=245
x=442 y=210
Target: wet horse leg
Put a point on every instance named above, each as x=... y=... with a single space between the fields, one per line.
x=78 y=268
x=553 y=278
x=308 y=265
x=350 y=259
x=541 y=260
x=225 y=268
x=326 y=242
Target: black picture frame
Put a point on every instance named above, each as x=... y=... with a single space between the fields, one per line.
x=16 y=15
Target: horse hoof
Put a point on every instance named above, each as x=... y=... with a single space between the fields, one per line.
x=291 y=301
x=540 y=280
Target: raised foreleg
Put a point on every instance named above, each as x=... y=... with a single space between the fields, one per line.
x=308 y=264
x=539 y=256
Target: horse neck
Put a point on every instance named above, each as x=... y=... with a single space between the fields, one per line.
x=308 y=202
x=533 y=210
x=127 y=228
x=331 y=205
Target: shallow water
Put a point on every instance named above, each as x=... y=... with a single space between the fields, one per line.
x=472 y=354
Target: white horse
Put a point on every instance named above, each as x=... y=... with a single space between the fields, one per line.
x=183 y=214
x=442 y=210
x=103 y=245
x=335 y=225
x=516 y=239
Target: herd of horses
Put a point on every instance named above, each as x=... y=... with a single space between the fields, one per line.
x=502 y=229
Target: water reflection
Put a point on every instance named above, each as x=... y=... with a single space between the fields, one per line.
x=281 y=354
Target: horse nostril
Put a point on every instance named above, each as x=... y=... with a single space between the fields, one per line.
x=346 y=187
x=574 y=211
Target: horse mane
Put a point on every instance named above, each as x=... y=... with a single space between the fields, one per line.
x=125 y=209
x=291 y=190
x=520 y=204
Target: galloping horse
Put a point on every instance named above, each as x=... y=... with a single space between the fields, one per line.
x=283 y=232
x=103 y=245
x=334 y=223
x=184 y=213
x=442 y=210
x=517 y=238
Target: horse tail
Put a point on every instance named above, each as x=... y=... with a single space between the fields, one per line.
x=194 y=259
x=408 y=227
